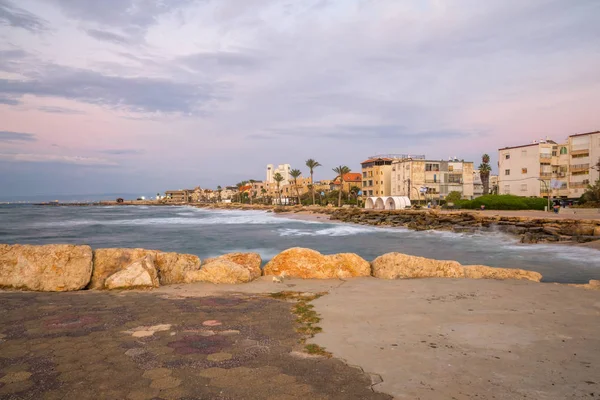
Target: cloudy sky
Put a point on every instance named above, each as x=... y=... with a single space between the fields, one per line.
x=148 y=95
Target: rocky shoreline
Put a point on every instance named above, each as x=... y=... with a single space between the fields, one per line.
x=528 y=229
x=62 y=267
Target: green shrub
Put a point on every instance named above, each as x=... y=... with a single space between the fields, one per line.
x=453 y=197
x=503 y=202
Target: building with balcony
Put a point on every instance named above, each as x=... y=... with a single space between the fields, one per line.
x=583 y=155
x=478 y=184
x=377 y=173
x=431 y=179
x=545 y=168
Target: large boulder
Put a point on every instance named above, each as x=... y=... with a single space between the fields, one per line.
x=49 y=268
x=221 y=271
x=404 y=266
x=171 y=267
x=310 y=264
x=485 y=272
x=250 y=261
x=139 y=274
x=109 y=261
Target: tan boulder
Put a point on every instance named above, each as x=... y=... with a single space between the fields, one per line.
x=173 y=267
x=139 y=274
x=109 y=261
x=250 y=261
x=403 y=266
x=49 y=268
x=221 y=271
x=485 y=272
x=310 y=264
x=597 y=231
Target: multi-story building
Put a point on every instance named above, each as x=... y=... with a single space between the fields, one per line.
x=478 y=184
x=282 y=169
x=420 y=179
x=546 y=168
x=527 y=170
x=377 y=173
x=584 y=154
x=350 y=179
x=177 y=196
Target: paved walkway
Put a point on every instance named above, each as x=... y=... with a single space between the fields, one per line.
x=428 y=339
x=152 y=345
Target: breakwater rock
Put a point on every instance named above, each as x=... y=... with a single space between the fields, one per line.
x=49 y=268
x=69 y=267
x=531 y=230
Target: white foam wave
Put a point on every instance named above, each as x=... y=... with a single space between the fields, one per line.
x=336 y=230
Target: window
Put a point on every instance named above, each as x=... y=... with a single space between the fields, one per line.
x=523 y=153
x=563 y=150
x=523 y=187
x=382 y=182
x=507 y=172
x=381 y=172
x=370 y=193
x=523 y=170
x=432 y=167
x=507 y=156
x=450 y=168
x=553 y=153
x=434 y=178
x=370 y=183
x=364 y=174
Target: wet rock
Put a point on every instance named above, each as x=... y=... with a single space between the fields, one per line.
x=310 y=264
x=49 y=268
x=403 y=266
x=485 y=272
x=139 y=274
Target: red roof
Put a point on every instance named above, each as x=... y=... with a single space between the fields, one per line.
x=349 y=177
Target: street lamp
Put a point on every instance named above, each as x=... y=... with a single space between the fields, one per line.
x=547 y=191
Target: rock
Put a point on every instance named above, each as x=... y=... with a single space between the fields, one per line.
x=403 y=266
x=309 y=264
x=49 y=268
x=485 y=272
x=597 y=231
x=221 y=271
x=139 y=274
x=250 y=261
x=173 y=267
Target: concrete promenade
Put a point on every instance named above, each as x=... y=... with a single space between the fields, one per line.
x=414 y=339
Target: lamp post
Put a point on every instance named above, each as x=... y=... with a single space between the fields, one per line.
x=547 y=191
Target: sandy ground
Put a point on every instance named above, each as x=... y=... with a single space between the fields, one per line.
x=455 y=338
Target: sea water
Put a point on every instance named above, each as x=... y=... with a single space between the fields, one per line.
x=209 y=233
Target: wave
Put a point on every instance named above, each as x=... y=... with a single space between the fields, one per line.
x=265 y=253
x=336 y=230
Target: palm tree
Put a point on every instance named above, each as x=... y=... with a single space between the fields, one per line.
x=278 y=178
x=263 y=191
x=295 y=173
x=219 y=190
x=341 y=171
x=484 y=173
x=312 y=164
x=354 y=192
x=240 y=185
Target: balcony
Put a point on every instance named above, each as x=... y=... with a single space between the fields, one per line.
x=580 y=153
x=578 y=185
x=545 y=156
x=545 y=174
x=580 y=167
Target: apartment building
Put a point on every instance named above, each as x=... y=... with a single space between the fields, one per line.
x=584 y=154
x=282 y=169
x=545 y=168
x=478 y=184
x=350 y=179
x=377 y=173
x=420 y=179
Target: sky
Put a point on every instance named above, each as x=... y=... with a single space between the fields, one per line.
x=150 y=95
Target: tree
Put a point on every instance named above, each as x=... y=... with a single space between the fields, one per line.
x=278 y=178
x=263 y=191
x=484 y=173
x=592 y=194
x=312 y=164
x=341 y=171
x=219 y=190
x=354 y=190
x=240 y=185
x=453 y=197
x=295 y=173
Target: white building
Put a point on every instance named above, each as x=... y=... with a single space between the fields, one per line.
x=584 y=153
x=282 y=169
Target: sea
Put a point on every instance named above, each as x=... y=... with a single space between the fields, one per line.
x=209 y=233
